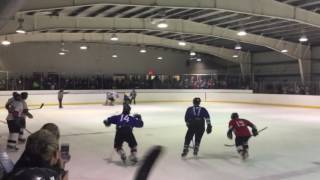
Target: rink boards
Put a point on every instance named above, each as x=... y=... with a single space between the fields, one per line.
x=176 y=95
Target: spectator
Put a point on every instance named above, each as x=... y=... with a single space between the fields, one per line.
x=42 y=151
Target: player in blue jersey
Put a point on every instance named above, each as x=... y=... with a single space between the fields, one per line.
x=124 y=126
x=196 y=117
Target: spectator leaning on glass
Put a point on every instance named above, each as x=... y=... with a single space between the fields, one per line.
x=41 y=158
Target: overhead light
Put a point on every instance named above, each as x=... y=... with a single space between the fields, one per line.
x=5 y=42
x=199 y=59
x=238 y=47
x=192 y=53
x=83 y=47
x=162 y=24
x=115 y=56
x=182 y=43
x=62 y=53
x=303 y=38
x=284 y=50
x=235 y=56
x=20 y=31
x=143 y=50
x=160 y=58
x=242 y=33
x=114 y=37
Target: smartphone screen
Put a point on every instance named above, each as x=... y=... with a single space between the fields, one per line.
x=65 y=151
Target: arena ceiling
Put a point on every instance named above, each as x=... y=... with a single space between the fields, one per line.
x=279 y=23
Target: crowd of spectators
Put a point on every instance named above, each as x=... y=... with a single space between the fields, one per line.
x=54 y=82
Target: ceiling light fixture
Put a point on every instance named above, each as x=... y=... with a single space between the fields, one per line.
x=235 y=56
x=114 y=37
x=143 y=50
x=242 y=33
x=20 y=29
x=303 y=38
x=160 y=58
x=238 y=47
x=83 y=47
x=162 y=24
x=192 y=53
x=114 y=56
x=182 y=43
x=5 y=42
x=284 y=51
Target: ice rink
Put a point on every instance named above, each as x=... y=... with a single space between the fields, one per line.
x=288 y=149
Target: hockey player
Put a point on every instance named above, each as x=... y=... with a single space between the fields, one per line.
x=240 y=128
x=111 y=98
x=15 y=111
x=196 y=117
x=26 y=113
x=126 y=99
x=124 y=126
x=133 y=95
x=60 y=97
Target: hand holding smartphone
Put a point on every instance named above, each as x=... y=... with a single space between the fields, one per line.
x=65 y=155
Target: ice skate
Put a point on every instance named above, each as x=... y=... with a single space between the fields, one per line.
x=184 y=152
x=133 y=158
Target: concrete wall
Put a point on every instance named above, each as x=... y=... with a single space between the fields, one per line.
x=273 y=63
x=43 y=57
x=232 y=96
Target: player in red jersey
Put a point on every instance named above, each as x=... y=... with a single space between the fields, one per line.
x=240 y=128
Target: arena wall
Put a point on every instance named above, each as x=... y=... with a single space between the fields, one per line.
x=78 y=97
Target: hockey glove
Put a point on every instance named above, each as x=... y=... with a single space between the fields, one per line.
x=29 y=115
x=137 y=116
x=106 y=123
x=209 y=128
x=255 y=132
x=15 y=114
x=229 y=134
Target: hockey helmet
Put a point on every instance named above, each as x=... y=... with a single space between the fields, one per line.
x=196 y=101
x=24 y=95
x=126 y=109
x=234 y=115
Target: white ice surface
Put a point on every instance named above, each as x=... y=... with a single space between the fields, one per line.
x=288 y=149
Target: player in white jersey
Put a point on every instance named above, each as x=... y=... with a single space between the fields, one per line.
x=26 y=113
x=15 y=113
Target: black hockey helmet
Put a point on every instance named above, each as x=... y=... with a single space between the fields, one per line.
x=15 y=94
x=24 y=95
x=234 y=115
x=126 y=109
x=196 y=101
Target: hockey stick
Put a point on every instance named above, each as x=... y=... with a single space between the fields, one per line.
x=232 y=145
x=151 y=157
x=41 y=106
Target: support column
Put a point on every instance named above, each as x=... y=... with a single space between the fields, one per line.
x=305 y=70
x=305 y=66
x=245 y=67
